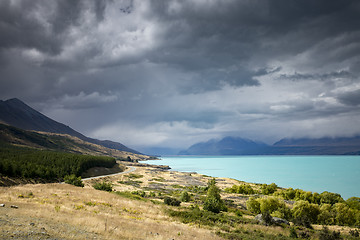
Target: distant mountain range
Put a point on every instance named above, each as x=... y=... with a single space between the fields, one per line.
x=16 y=113
x=286 y=146
x=226 y=146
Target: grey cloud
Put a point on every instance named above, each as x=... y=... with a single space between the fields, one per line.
x=19 y=29
x=149 y=62
x=325 y=76
x=100 y=7
x=351 y=98
x=266 y=71
x=67 y=14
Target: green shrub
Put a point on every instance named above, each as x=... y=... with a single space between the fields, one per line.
x=327 y=216
x=139 y=193
x=268 y=189
x=288 y=194
x=195 y=215
x=130 y=195
x=267 y=218
x=253 y=205
x=104 y=186
x=73 y=180
x=293 y=233
x=354 y=203
x=330 y=198
x=171 y=201
x=185 y=196
x=133 y=175
x=298 y=194
x=354 y=233
x=325 y=234
x=241 y=189
x=305 y=213
x=213 y=201
x=271 y=205
x=344 y=214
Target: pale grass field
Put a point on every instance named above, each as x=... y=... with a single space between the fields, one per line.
x=64 y=211
x=69 y=212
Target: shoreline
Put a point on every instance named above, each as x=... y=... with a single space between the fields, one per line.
x=298 y=172
x=134 y=209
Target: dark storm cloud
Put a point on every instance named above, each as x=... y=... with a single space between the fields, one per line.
x=19 y=29
x=100 y=6
x=351 y=98
x=189 y=67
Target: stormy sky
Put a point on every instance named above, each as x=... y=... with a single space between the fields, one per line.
x=171 y=73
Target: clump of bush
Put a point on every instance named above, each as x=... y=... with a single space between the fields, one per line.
x=339 y=213
x=139 y=193
x=326 y=234
x=271 y=205
x=323 y=198
x=73 y=180
x=293 y=233
x=241 y=189
x=133 y=175
x=104 y=186
x=213 y=201
x=268 y=189
x=185 y=197
x=193 y=214
x=354 y=233
x=305 y=213
x=171 y=201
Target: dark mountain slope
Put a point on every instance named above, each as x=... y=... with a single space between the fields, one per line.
x=226 y=146
x=318 y=146
x=16 y=113
x=326 y=141
x=10 y=135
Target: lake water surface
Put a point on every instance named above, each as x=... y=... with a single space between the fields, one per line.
x=339 y=174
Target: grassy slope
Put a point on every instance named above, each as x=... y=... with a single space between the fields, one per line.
x=59 y=142
x=67 y=212
x=70 y=212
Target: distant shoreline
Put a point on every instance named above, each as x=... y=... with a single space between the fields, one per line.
x=304 y=175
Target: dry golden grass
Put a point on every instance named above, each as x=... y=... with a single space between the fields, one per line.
x=68 y=212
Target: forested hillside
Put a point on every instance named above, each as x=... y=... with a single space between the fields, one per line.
x=50 y=165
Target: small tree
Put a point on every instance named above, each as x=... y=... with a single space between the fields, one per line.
x=305 y=213
x=268 y=189
x=104 y=186
x=253 y=205
x=327 y=215
x=344 y=214
x=171 y=201
x=330 y=198
x=213 y=201
x=73 y=180
x=354 y=203
x=185 y=196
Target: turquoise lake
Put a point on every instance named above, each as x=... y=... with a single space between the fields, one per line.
x=338 y=174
